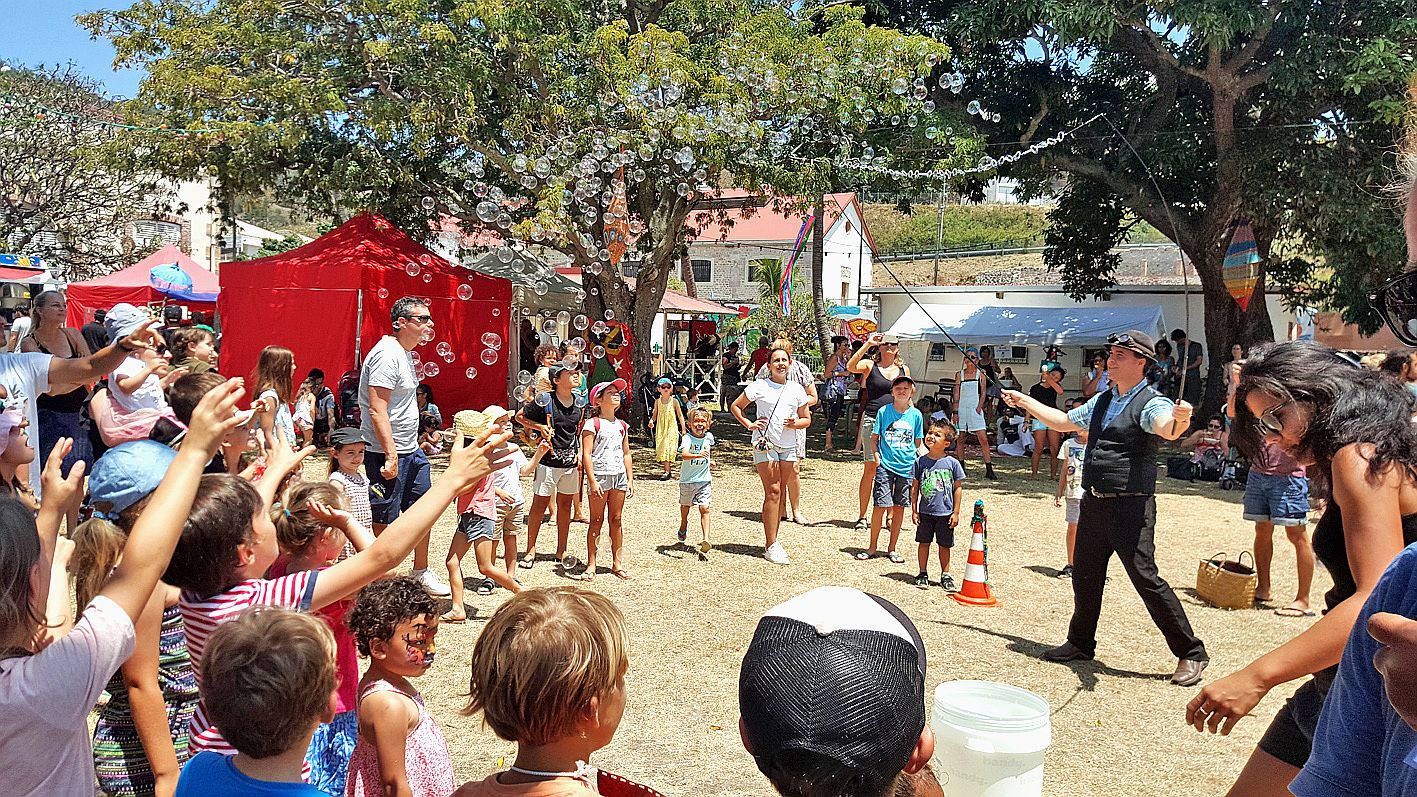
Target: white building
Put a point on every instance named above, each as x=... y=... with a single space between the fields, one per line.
x=737 y=232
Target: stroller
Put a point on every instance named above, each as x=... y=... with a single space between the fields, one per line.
x=1235 y=471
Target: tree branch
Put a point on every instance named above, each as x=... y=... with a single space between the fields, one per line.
x=1136 y=194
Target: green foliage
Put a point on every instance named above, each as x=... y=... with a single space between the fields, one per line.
x=800 y=324
x=972 y=225
x=69 y=189
x=1283 y=112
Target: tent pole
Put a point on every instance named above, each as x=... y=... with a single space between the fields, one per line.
x=358 y=325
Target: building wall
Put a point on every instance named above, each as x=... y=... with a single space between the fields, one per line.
x=844 y=252
x=192 y=202
x=892 y=304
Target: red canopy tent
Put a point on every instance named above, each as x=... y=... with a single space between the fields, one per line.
x=329 y=302
x=134 y=286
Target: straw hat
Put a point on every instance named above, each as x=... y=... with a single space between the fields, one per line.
x=470 y=422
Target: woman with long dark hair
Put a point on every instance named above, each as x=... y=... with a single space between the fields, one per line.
x=1354 y=426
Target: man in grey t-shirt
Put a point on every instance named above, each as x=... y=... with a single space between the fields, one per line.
x=398 y=470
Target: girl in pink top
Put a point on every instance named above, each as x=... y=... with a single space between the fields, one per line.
x=312 y=527
x=400 y=750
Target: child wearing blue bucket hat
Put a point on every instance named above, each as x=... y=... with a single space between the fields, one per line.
x=140 y=739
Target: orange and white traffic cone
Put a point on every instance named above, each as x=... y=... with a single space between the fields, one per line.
x=975 y=589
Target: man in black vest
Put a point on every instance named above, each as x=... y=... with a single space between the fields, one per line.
x=1125 y=424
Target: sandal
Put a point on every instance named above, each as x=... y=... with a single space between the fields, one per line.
x=449 y=617
x=705 y=547
x=895 y=557
x=864 y=555
x=485 y=588
x=620 y=573
x=863 y=524
x=683 y=534
x=526 y=560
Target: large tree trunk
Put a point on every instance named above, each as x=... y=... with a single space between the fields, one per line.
x=819 y=305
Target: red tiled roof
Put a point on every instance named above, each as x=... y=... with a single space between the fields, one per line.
x=761 y=217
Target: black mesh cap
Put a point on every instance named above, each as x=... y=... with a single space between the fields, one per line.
x=837 y=673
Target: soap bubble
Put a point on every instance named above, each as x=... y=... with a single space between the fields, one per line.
x=972 y=107
x=581 y=322
x=492 y=340
x=412 y=268
x=470 y=373
x=383 y=293
x=464 y=292
x=543 y=399
x=598 y=351
x=428 y=203
x=430 y=370
x=505 y=254
x=523 y=377
x=443 y=348
x=489 y=356
x=427 y=276
x=609 y=314
x=581 y=400
x=548 y=325
x=563 y=318
x=496 y=311
x=540 y=288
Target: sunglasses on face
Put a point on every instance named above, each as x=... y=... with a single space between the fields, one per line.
x=1396 y=303
x=1268 y=421
x=1212 y=426
x=421 y=319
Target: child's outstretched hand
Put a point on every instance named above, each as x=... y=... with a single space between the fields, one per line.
x=214 y=417
x=330 y=516
x=59 y=491
x=470 y=462
x=281 y=459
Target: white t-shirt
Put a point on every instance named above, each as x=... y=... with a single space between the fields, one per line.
x=607 y=453
x=20 y=328
x=777 y=403
x=1072 y=452
x=390 y=365
x=508 y=478
x=45 y=700
x=26 y=376
x=148 y=396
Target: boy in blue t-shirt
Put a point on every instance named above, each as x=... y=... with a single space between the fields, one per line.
x=936 y=495
x=695 y=479
x=899 y=430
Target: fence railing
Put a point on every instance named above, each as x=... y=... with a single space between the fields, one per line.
x=706 y=376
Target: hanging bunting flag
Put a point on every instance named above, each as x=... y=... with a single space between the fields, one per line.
x=1241 y=269
x=617 y=221
x=785 y=288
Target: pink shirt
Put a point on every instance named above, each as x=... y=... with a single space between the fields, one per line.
x=201 y=616
x=482 y=501
x=45 y=700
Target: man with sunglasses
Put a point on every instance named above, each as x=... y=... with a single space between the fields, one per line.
x=398 y=470
x=1125 y=426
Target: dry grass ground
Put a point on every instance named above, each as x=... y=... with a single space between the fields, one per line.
x=1117 y=723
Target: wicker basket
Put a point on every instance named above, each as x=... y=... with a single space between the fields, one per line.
x=1227 y=583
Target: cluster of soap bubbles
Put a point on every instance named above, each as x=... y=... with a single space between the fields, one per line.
x=568 y=190
x=986 y=164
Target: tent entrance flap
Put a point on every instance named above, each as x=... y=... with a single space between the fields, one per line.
x=988 y=325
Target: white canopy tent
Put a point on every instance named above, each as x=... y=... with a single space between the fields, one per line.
x=987 y=325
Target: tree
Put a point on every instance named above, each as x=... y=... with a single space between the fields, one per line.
x=1282 y=112
x=578 y=127
x=68 y=186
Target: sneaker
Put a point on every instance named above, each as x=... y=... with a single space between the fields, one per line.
x=485 y=588
x=704 y=547
x=435 y=586
x=683 y=535
x=777 y=554
x=923 y=581
x=947 y=581
x=989 y=471
x=1066 y=572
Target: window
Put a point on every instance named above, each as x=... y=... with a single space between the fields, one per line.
x=756 y=267
x=703 y=270
x=156 y=233
x=845 y=292
x=938 y=350
x=1011 y=354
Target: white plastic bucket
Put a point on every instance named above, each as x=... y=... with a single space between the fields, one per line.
x=990 y=739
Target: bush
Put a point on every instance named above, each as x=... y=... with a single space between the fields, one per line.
x=966 y=226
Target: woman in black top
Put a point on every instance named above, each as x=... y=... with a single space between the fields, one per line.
x=1046 y=392
x=880 y=373
x=60 y=411
x=1353 y=427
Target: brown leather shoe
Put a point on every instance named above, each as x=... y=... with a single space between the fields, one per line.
x=1066 y=652
x=1188 y=672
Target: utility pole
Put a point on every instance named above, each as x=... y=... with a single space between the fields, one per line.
x=939 y=233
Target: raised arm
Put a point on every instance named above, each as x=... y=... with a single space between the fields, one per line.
x=1052 y=417
x=89 y=369
x=859 y=362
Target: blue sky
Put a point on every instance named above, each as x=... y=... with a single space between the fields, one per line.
x=44 y=32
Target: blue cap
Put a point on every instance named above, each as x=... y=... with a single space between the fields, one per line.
x=128 y=473
x=664 y=380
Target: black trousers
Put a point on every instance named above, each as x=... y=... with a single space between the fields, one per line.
x=1126 y=527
